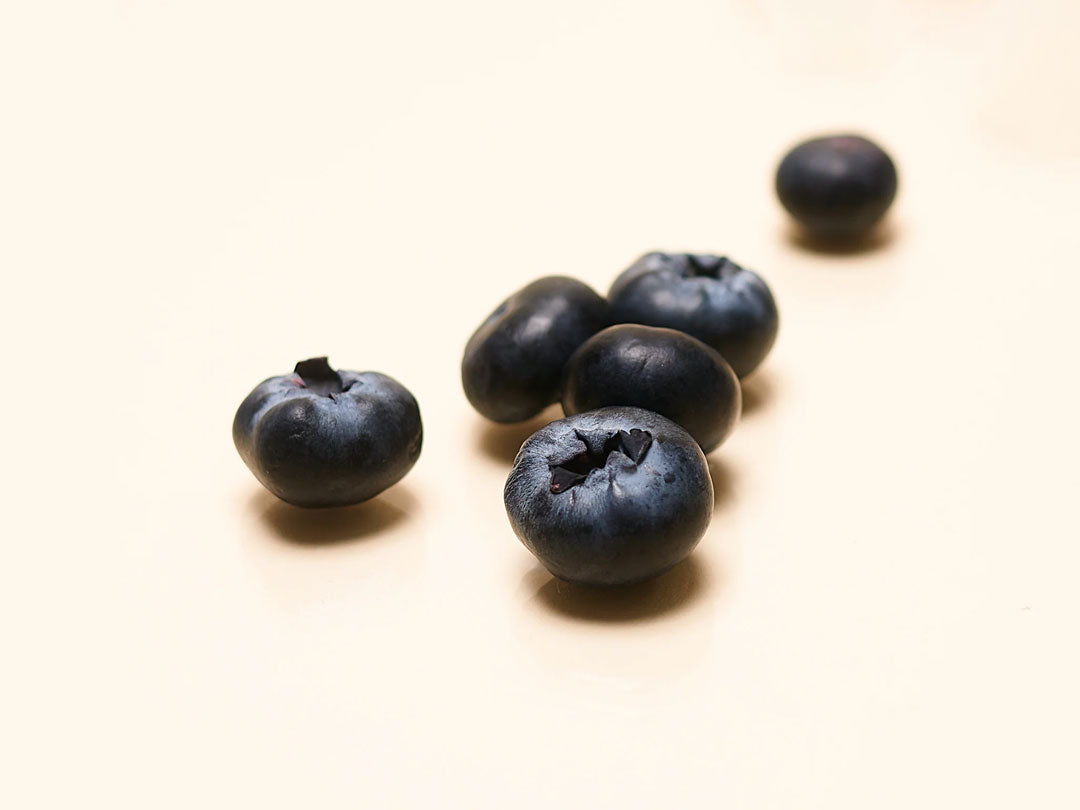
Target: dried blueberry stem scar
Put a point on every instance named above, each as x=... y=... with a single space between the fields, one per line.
x=317 y=376
x=634 y=445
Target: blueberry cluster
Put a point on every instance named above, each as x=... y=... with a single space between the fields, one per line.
x=619 y=491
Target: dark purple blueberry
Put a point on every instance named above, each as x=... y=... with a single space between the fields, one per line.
x=319 y=437
x=661 y=370
x=709 y=297
x=610 y=497
x=513 y=363
x=837 y=187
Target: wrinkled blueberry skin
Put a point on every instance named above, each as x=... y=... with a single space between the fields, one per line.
x=513 y=363
x=837 y=187
x=328 y=438
x=660 y=370
x=624 y=521
x=710 y=297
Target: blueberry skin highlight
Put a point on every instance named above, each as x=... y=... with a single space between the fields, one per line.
x=319 y=437
x=513 y=363
x=709 y=297
x=660 y=370
x=609 y=497
x=837 y=187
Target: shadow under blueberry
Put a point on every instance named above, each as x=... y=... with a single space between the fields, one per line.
x=669 y=593
x=877 y=239
x=758 y=391
x=336 y=525
x=722 y=480
x=502 y=442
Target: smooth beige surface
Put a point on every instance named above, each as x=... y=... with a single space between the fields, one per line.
x=193 y=196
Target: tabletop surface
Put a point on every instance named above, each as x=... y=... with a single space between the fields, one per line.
x=195 y=196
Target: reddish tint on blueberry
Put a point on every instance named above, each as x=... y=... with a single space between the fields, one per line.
x=513 y=363
x=661 y=370
x=320 y=437
x=709 y=297
x=837 y=187
x=609 y=497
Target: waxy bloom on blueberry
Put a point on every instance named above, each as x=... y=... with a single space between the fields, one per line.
x=514 y=362
x=320 y=437
x=660 y=370
x=609 y=497
x=710 y=297
x=837 y=187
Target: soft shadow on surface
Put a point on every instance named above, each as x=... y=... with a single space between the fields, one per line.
x=325 y=527
x=722 y=480
x=879 y=238
x=676 y=590
x=502 y=442
x=758 y=391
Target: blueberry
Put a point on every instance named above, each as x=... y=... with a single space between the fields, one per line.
x=513 y=363
x=660 y=370
x=709 y=297
x=837 y=187
x=609 y=497
x=319 y=437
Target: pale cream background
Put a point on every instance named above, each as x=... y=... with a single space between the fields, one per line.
x=195 y=195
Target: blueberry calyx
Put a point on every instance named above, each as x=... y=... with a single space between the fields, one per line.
x=317 y=376
x=707 y=265
x=633 y=444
